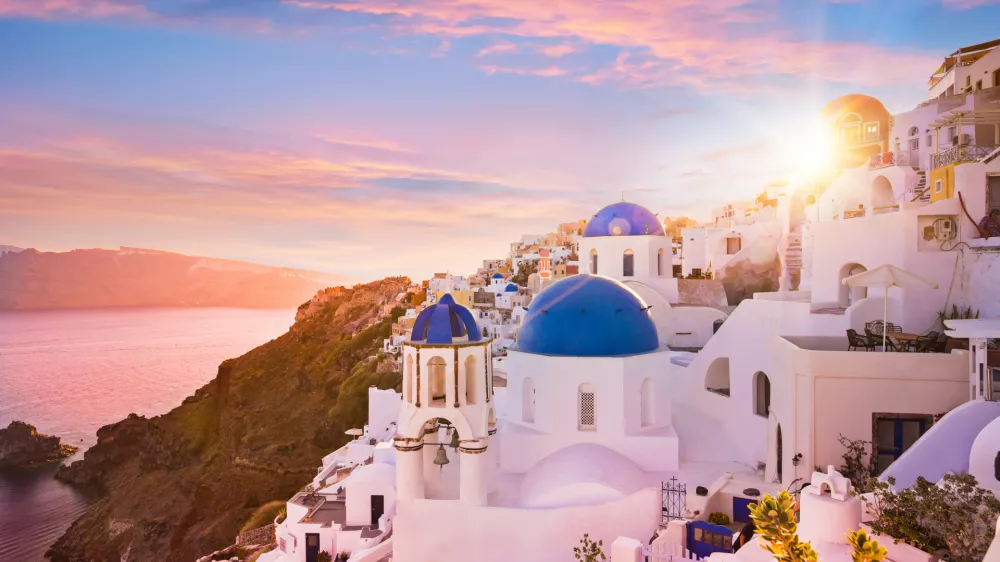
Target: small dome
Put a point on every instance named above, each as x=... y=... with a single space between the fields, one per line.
x=497 y=276
x=624 y=219
x=444 y=322
x=510 y=288
x=587 y=316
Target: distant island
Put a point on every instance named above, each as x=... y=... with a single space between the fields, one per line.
x=21 y=446
x=133 y=277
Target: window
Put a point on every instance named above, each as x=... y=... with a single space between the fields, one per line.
x=409 y=378
x=659 y=262
x=628 y=264
x=894 y=434
x=646 y=403
x=951 y=135
x=996 y=78
x=593 y=262
x=696 y=272
x=968 y=80
x=871 y=132
x=850 y=129
x=588 y=407
x=937 y=186
x=979 y=85
x=913 y=131
x=471 y=378
x=930 y=141
x=528 y=401
x=436 y=372
x=914 y=144
x=678 y=270
x=762 y=394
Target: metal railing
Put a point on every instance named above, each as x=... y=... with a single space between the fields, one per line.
x=962 y=153
x=887 y=159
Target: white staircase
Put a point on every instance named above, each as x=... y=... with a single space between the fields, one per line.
x=792 y=260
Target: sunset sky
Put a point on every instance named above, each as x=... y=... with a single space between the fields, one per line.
x=384 y=137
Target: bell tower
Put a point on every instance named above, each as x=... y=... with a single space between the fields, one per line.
x=544 y=265
x=447 y=402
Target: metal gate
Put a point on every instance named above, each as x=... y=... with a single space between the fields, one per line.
x=673 y=496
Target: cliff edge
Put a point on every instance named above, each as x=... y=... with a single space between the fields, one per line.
x=180 y=485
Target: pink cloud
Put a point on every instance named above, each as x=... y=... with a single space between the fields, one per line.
x=387 y=146
x=968 y=4
x=50 y=9
x=548 y=71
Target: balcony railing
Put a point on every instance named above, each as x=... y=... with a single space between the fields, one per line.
x=887 y=159
x=853 y=214
x=962 y=153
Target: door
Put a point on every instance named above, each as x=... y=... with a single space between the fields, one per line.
x=893 y=436
x=741 y=509
x=312 y=547
x=378 y=508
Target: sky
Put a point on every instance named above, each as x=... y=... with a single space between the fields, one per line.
x=386 y=137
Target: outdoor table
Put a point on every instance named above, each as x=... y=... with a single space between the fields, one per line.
x=910 y=339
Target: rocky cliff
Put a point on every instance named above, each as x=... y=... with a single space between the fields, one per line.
x=177 y=486
x=21 y=445
x=30 y=279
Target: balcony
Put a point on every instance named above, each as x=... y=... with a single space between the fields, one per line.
x=887 y=159
x=962 y=153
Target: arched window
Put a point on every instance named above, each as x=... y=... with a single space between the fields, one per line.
x=436 y=368
x=646 y=403
x=850 y=129
x=593 y=262
x=717 y=377
x=761 y=394
x=914 y=131
x=409 y=378
x=471 y=376
x=659 y=261
x=628 y=264
x=588 y=407
x=528 y=401
x=851 y=295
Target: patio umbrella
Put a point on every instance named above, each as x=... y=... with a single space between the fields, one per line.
x=886 y=276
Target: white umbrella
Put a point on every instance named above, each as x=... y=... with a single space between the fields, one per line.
x=886 y=276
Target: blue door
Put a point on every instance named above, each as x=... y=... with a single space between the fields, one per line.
x=705 y=538
x=741 y=509
x=893 y=436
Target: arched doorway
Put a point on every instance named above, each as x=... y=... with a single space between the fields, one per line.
x=882 y=195
x=717 y=376
x=471 y=380
x=628 y=264
x=851 y=295
x=780 y=455
x=761 y=394
x=436 y=368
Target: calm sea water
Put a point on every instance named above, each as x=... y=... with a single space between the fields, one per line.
x=71 y=372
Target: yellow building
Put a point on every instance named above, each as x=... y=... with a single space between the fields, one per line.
x=463 y=297
x=942 y=182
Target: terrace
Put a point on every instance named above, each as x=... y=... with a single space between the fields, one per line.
x=962 y=150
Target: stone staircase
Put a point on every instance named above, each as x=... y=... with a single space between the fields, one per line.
x=792 y=258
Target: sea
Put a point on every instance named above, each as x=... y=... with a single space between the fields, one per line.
x=70 y=372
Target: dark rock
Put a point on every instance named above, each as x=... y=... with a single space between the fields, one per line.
x=21 y=445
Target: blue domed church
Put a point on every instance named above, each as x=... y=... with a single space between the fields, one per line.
x=588 y=372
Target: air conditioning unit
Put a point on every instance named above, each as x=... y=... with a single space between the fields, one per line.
x=966 y=139
x=944 y=229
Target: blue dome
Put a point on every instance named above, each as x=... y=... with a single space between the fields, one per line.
x=624 y=219
x=443 y=322
x=510 y=288
x=497 y=276
x=587 y=316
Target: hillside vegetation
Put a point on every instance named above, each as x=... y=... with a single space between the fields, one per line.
x=181 y=485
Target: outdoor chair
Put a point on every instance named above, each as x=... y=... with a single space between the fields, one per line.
x=926 y=344
x=874 y=340
x=942 y=343
x=856 y=341
x=890 y=327
x=875 y=327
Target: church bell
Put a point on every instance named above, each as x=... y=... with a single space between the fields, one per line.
x=454 y=439
x=441 y=458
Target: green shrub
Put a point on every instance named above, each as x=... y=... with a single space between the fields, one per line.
x=774 y=520
x=865 y=549
x=718 y=518
x=264 y=515
x=324 y=557
x=589 y=551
